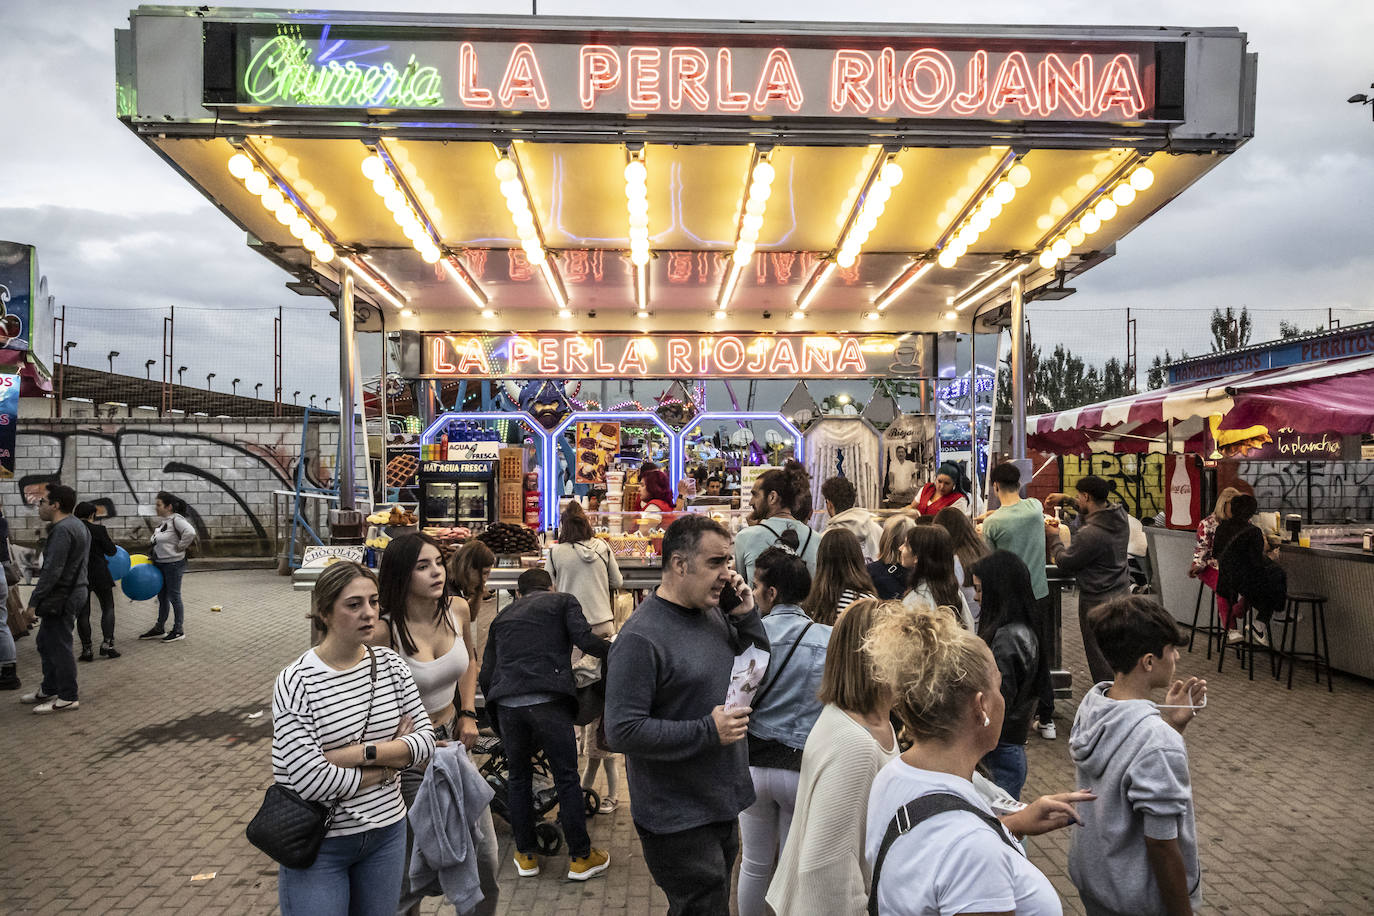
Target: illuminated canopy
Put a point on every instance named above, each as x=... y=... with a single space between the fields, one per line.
x=549 y=176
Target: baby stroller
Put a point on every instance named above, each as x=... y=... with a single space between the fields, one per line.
x=496 y=771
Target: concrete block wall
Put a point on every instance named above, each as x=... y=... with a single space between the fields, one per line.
x=225 y=469
x=1339 y=489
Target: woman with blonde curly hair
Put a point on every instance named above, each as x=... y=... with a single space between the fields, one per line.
x=946 y=685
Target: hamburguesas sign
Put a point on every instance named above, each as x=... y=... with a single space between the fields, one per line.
x=586 y=356
x=644 y=73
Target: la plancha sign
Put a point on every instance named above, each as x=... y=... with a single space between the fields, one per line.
x=629 y=356
x=641 y=74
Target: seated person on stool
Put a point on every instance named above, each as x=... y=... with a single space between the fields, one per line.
x=1248 y=569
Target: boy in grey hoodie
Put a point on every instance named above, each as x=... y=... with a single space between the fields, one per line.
x=1136 y=852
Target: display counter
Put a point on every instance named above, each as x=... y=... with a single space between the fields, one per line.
x=1343 y=575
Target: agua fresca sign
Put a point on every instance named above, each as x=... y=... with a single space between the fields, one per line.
x=630 y=356
x=624 y=73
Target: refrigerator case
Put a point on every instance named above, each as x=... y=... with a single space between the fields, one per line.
x=457 y=493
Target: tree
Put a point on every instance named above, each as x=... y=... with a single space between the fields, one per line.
x=1290 y=329
x=1229 y=330
x=1062 y=381
x=1158 y=376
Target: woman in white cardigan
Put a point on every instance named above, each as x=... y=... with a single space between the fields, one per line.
x=822 y=869
x=584 y=566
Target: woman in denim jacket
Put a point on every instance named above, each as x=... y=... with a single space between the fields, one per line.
x=785 y=708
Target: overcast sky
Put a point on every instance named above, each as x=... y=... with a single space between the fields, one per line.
x=1284 y=227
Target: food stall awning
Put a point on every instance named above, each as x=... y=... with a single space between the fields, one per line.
x=1329 y=397
x=540 y=173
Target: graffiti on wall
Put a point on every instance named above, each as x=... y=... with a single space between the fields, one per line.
x=226 y=479
x=1139 y=479
x=1339 y=490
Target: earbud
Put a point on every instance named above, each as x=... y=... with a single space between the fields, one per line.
x=986 y=721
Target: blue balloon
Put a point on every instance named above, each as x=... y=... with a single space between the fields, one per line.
x=118 y=564
x=142 y=582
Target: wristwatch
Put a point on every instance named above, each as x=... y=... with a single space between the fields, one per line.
x=369 y=753
x=470 y=713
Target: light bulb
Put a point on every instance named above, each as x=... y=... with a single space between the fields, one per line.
x=373 y=167
x=1123 y=195
x=719 y=314
x=1061 y=248
x=879 y=192
x=760 y=191
x=642 y=313
x=1075 y=235
x=752 y=220
x=764 y=173
x=312 y=240
x=430 y=254
x=872 y=316
x=846 y=259
x=395 y=201
x=742 y=256
x=325 y=253
x=866 y=222
x=980 y=222
x=272 y=199
x=506 y=170
x=299 y=227
x=638 y=205
x=874 y=208
x=488 y=313
x=1003 y=192
x=512 y=190
x=256 y=182
x=951 y=315
x=748 y=234
x=639 y=220
x=746 y=247
x=799 y=314
x=890 y=174
x=968 y=235
x=1019 y=176
x=947 y=259
x=1105 y=209
x=991 y=208
x=383 y=185
x=285 y=214
x=1048 y=260
x=1142 y=178
x=636 y=172
x=755 y=206
x=1089 y=223
x=636 y=190
x=565 y=313
x=958 y=248
x=240 y=166
x=639 y=258
x=413 y=232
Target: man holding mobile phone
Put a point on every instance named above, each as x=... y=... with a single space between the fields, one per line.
x=685 y=756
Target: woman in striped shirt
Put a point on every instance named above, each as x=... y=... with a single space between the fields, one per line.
x=841 y=577
x=346 y=718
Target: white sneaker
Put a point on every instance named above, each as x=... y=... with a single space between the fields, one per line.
x=55 y=705
x=37 y=696
x=1259 y=635
x=1234 y=636
x=1046 y=729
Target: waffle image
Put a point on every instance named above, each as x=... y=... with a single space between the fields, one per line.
x=401 y=469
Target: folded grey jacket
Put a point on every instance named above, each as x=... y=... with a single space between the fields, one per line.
x=445 y=819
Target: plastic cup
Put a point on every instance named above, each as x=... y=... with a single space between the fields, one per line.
x=1304 y=541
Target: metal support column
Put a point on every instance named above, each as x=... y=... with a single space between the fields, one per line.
x=1018 y=369
x=348 y=370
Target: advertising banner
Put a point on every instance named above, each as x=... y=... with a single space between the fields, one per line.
x=16 y=295
x=598 y=442
x=9 y=422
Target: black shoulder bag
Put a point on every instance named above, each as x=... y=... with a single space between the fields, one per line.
x=289 y=828
x=913 y=813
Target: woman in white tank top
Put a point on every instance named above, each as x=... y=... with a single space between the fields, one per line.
x=432 y=632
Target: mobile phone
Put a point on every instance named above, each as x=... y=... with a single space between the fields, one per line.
x=729 y=598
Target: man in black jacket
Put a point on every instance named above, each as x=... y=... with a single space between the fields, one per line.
x=101 y=585
x=57 y=599
x=527 y=682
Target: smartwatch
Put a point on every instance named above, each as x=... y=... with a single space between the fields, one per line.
x=470 y=713
x=369 y=753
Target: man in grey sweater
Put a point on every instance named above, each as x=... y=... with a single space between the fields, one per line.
x=667 y=677
x=57 y=598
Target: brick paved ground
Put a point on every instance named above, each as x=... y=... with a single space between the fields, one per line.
x=116 y=807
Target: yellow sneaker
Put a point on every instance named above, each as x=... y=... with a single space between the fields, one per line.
x=527 y=866
x=588 y=866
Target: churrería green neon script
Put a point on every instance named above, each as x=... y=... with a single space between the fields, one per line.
x=281 y=71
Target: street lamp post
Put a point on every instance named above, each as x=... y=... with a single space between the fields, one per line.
x=110 y=356
x=234 y=386
x=208 y=376
x=296 y=397
x=256 y=389
x=312 y=400
x=181 y=370
x=1361 y=98
x=326 y=402
x=148 y=369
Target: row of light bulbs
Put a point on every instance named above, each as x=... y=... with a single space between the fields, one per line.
x=637 y=205
x=276 y=203
x=384 y=186
x=1123 y=195
x=755 y=205
x=875 y=202
x=518 y=203
x=981 y=216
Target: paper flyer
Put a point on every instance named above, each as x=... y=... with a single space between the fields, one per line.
x=745 y=677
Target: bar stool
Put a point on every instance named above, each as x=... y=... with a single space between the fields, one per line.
x=1244 y=647
x=1214 y=630
x=1288 y=639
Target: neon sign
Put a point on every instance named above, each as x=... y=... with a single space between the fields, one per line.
x=481 y=69
x=282 y=72
x=624 y=355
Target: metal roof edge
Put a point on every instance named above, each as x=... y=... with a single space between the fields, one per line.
x=1273 y=344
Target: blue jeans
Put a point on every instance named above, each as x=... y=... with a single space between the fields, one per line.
x=1007 y=764
x=549 y=726
x=356 y=875
x=170 y=596
x=7 y=651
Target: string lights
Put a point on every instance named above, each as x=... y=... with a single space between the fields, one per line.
x=417 y=230
x=276 y=198
x=1121 y=192
x=997 y=192
x=748 y=226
